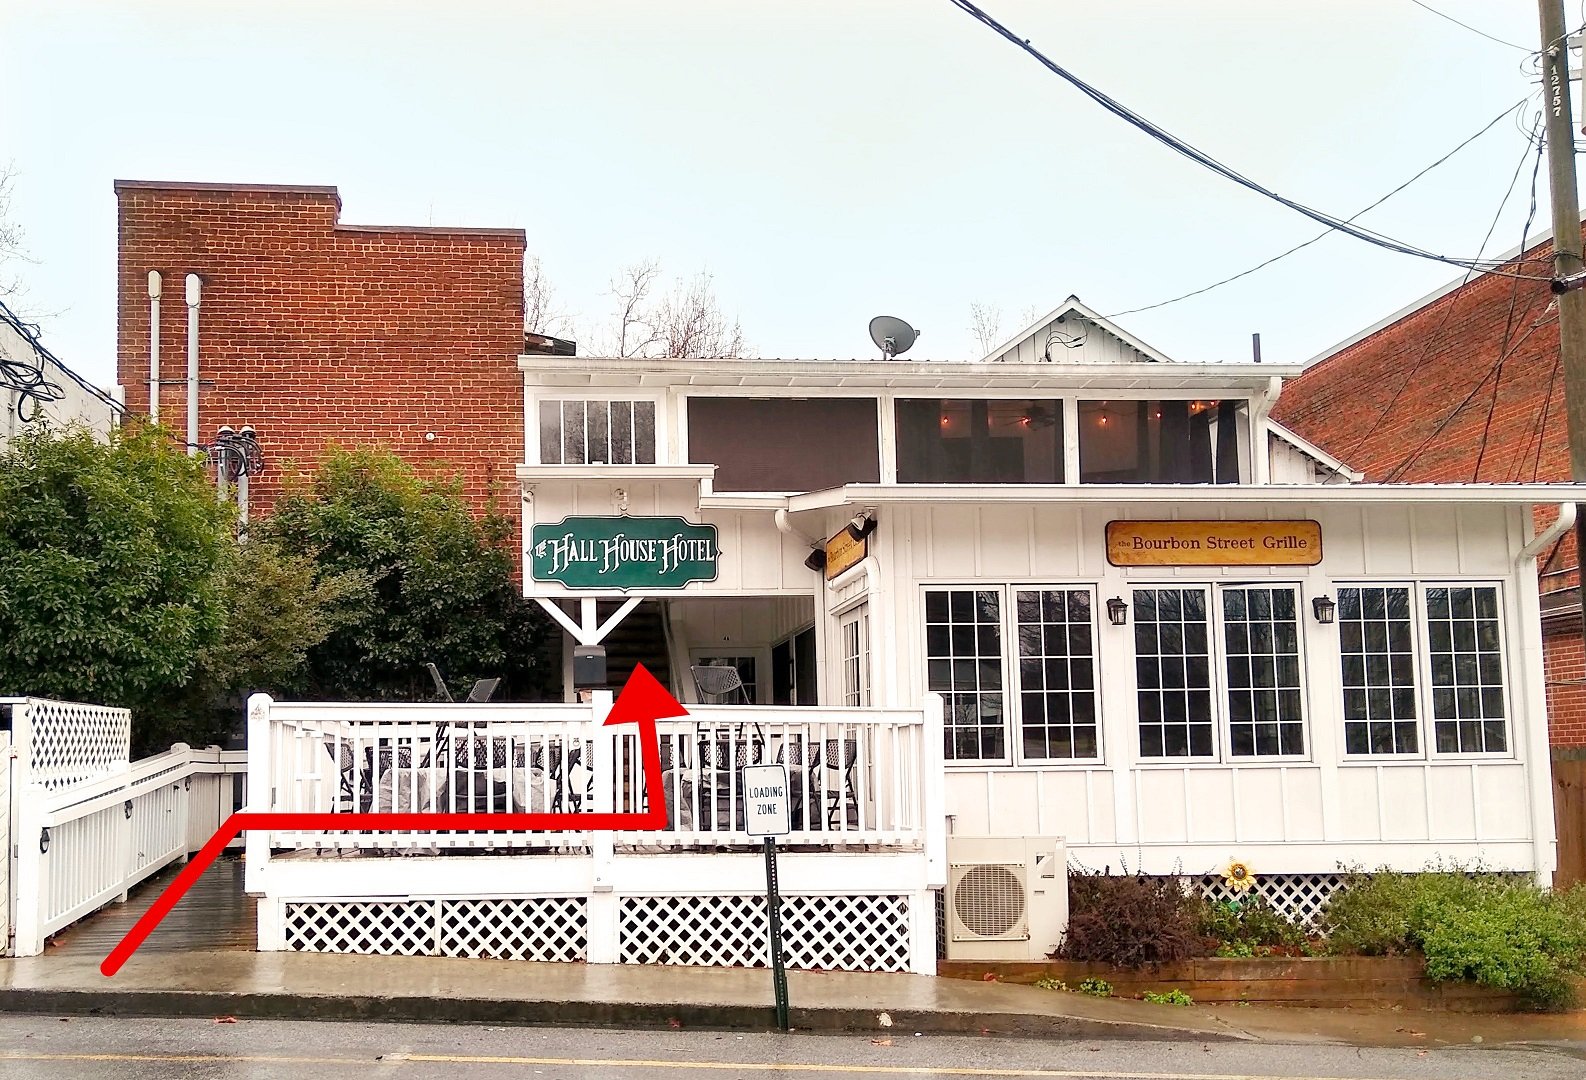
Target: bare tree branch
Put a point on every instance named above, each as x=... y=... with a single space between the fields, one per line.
x=541 y=312
x=689 y=322
x=985 y=323
x=11 y=248
x=635 y=333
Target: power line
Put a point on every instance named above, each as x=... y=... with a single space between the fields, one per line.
x=1329 y=231
x=1448 y=310
x=1205 y=160
x=1472 y=29
x=34 y=388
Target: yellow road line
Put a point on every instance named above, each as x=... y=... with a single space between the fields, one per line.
x=676 y=1066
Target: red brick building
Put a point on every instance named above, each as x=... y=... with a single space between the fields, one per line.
x=317 y=332
x=1463 y=386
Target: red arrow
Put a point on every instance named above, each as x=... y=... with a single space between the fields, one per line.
x=643 y=701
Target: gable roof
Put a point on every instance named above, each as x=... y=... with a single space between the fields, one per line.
x=1053 y=338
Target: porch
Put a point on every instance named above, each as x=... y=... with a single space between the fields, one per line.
x=857 y=870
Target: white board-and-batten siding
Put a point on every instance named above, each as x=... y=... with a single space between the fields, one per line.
x=1292 y=816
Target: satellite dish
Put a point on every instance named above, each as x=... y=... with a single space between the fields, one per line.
x=892 y=336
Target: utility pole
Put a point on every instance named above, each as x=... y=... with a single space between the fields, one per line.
x=1560 y=131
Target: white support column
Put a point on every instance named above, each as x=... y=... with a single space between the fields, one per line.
x=602 y=914
x=272 y=924
x=31 y=883
x=934 y=793
x=256 y=845
x=922 y=933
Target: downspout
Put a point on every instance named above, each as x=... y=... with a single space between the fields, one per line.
x=154 y=346
x=1561 y=525
x=1260 y=436
x=195 y=289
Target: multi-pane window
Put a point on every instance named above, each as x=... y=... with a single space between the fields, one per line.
x=963 y=662
x=597 y=432
x=1261 y=651
x=1459 y=653
x=1057 y=673
x=1173 y=673
x=1466 y=668
x=856 y=659
x=745 y=666
x=1378 y=656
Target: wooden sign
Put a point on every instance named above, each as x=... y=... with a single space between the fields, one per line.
x=1214 y=543
x=623 y=552
x=843 y=551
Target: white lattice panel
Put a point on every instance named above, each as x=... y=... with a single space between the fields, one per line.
x=69 y=742
x=543 y=928
x=828 y=933
x=1300 y=898
x=377 y=928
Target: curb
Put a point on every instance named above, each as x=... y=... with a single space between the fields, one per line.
x=187 y=1004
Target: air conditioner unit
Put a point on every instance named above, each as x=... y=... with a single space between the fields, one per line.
x=1007 y=897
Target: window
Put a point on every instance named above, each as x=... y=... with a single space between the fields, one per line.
x=975 y=441
x=1052 y=703
x=1261 y=650
x=1159 y=442
x=1374 y=633
x=963 y=661
x=785 y=444
x=597 y=432
x=744 y=665
x=1467 y=669
x=1461 y=655
x=1057 y=674
x=856 y=658
x=1173 y=673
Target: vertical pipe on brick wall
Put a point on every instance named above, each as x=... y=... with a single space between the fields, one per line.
x=154 y=346
x=195 y=289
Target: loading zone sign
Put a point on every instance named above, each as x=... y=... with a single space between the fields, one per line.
x=629 y=553
x=765 y=801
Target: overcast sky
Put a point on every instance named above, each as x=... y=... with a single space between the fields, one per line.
x=826 y=160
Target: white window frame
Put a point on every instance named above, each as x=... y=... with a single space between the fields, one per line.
x=760 y=654
x=532 y=437
x=1013 y=703
x=1421 y=642
x=1217 y=661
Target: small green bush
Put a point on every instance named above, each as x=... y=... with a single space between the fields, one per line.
x=1096 y=987
x=1476 y=926
x=1128 y=920
x=1049 y=983
x=1171 y=997
x=1245 y=927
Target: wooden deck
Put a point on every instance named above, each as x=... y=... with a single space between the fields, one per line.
x=215 y=914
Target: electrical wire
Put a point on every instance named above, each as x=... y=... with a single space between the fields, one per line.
x=1453 y=300
x=35 y=389
x=1472 y=29
x=1515 y=108
x=1205 y=160
x=1508 y=318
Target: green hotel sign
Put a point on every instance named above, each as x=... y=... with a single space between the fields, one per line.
x=630 y=553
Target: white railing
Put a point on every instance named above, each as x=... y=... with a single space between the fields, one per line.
x=857 y=776
x=81 y=847
x=62 y=743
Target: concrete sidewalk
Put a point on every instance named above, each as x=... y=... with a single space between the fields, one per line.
x=326 y=987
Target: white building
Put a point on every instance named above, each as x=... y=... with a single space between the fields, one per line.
x=37 y=389
x=1075 y=591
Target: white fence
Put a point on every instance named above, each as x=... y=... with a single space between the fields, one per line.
x=86 y=824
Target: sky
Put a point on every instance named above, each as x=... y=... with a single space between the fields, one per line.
x=824 y=160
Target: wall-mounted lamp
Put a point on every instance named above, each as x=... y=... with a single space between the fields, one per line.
x=1323 y=608
x=816 y=559
x=862 y=525
x=1117 y=611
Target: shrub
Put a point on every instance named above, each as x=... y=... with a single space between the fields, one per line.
x=1128 y=921
x=1245 y=927
x=1474 y=926
x=1096 y=987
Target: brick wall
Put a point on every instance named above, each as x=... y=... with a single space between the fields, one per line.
x=319 y=333
x=1564 y=663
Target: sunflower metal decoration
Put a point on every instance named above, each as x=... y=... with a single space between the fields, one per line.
x=1238 y=876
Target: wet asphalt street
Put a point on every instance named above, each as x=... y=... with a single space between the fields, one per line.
x=101 y=1049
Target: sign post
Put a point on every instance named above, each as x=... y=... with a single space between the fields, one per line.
x=767 y=814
